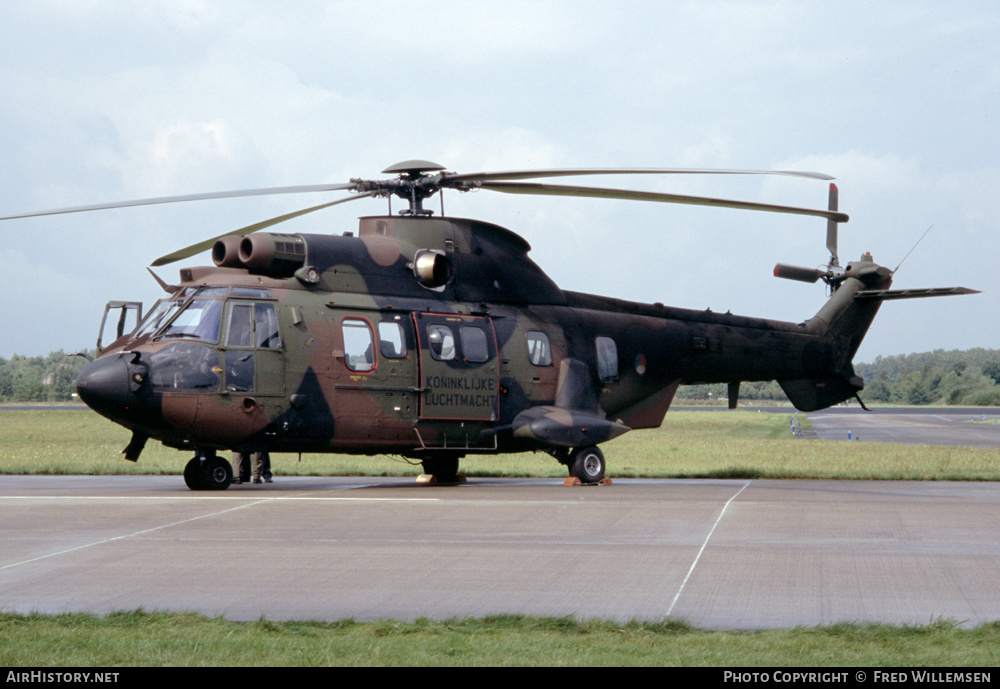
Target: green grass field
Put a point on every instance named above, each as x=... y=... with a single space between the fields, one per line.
x=154 y=639
x=689 y=444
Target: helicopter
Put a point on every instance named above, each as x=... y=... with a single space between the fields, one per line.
x=436 y=337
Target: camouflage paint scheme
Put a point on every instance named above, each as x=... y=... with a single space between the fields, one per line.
x=542 y=368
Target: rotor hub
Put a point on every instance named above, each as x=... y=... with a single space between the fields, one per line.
x=412 y=184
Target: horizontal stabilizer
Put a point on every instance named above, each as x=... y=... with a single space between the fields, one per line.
x=887 y=294
x=812 y=394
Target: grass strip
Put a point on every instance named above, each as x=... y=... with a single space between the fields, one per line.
x=689 y=444
x=139 y=638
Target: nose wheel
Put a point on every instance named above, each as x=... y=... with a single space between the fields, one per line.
x=208 y=472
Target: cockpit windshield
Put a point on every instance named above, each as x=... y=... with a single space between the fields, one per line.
x=158 y=315
x=199 y=320
x=196 y=313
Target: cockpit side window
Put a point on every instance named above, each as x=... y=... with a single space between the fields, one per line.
x=240 y=326
x=267 y=334
x=253 y=325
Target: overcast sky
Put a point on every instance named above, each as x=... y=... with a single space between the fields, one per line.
x=106 y=101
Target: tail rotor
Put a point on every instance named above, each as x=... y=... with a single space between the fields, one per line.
x=832 y=274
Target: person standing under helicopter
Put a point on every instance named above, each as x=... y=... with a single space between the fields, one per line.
x=256 y=465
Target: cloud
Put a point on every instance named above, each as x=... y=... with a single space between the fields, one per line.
x=104 y=101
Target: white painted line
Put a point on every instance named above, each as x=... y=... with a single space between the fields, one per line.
x=118 y=538
x=703 y=545
x=179 y=498
x=249 y=502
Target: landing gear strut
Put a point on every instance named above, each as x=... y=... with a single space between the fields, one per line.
x=206 y=471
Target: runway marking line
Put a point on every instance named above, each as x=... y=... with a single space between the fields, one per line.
x=123 y=536
x=185 y=498
x=703 y=546
x=250 y=503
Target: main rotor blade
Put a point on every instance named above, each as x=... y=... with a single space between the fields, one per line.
x=594 y=192
x=571 y=172
x=189 y=251
x=187 y=197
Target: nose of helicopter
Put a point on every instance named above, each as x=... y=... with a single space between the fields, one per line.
x=103 y=385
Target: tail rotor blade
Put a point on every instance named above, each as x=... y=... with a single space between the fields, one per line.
x=831 y=226
x=788 y=272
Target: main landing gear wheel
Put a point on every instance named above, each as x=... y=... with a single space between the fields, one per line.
x=209 y=473
x=587 y=464
x=192 y=474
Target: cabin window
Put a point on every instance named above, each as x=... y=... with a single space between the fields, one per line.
x=441 y=341
x=474 y=344
x=539 y=352
x=607 y=359
x=392 y=340
x=359 y=345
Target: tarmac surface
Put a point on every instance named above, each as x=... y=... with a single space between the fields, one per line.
x=721 y=554
x=974 y=427
x=954 y=426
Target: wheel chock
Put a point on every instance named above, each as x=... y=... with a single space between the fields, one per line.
x=574 y=481
x=431 y=478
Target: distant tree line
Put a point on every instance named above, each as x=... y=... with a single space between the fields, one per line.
x=39 y=378
x=970 y=377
